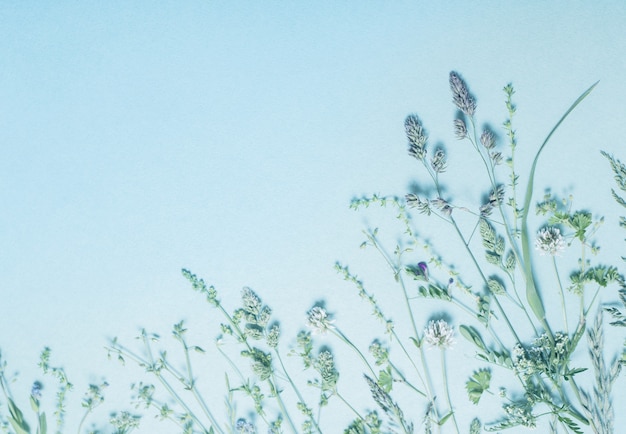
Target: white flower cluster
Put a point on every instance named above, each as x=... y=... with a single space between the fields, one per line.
x=439 y=334
x=318 y=321
x=549 y=241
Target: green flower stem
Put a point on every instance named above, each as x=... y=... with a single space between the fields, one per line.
x=192 y=386
x=243 y=380
x=398 y=278
x=295 y=388
x=242 y=338
x=343 y=338
x=465 y=242
x=447 y=389
x=480 y=271
x=340 y=396
x=404 y=380
x=157 y=372
x=419 y=374
x=561 y=294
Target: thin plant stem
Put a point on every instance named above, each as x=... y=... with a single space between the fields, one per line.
x=294 y=387
x=561 y=294
x=447 y=389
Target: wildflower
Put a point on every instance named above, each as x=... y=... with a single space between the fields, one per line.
x=243 y=426
x=460 y=130
x=273 y=335
x=439 y=334
x=549 y=241
x=35 y=391
x=380 y=353
x=461 y=96
x=325 y=365
x=423 y=267
x=417 y=137
x=318 y=320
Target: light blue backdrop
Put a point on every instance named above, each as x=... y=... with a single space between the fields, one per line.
x=137 y=138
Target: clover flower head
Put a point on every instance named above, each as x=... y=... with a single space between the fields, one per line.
x=439 y=334
x=549 y=241
x=318 y=321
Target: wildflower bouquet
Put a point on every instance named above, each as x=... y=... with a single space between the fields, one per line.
x=541 y=361
x=17 y=422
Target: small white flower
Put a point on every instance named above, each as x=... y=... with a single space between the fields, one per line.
x=439 y=334
x=549 y=241
x=318 y=321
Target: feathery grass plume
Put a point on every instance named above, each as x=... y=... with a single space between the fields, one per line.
x=461 y=96
x=387 y=404
x=599 y=407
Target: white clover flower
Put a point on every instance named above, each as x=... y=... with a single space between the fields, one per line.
x=439 y=334
x=549 y=241
x=318 y=321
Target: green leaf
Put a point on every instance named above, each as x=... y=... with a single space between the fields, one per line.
x=445 y=418
x=43 y=425
x=477 y=384
x=532 y=294
x=470 y=333
x=571 y=424
x=580 y=221
x=385 y=380
x=570 y=373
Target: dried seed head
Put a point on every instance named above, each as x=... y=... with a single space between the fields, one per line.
x=413 y=201
x=442 y=205
x=461 y=96
x=438 y=162
x=460 y=130
x=487 y=139
x=417 y=137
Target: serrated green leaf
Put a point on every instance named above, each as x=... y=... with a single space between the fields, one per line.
x=477 y=384
x=385 y=380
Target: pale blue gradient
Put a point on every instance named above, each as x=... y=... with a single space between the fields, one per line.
x=138 y=138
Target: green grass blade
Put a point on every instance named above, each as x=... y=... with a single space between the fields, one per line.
x=532 y=295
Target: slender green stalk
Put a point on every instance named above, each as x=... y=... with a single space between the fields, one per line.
x=447 y=389
x=295 y=388
x=561 y=294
